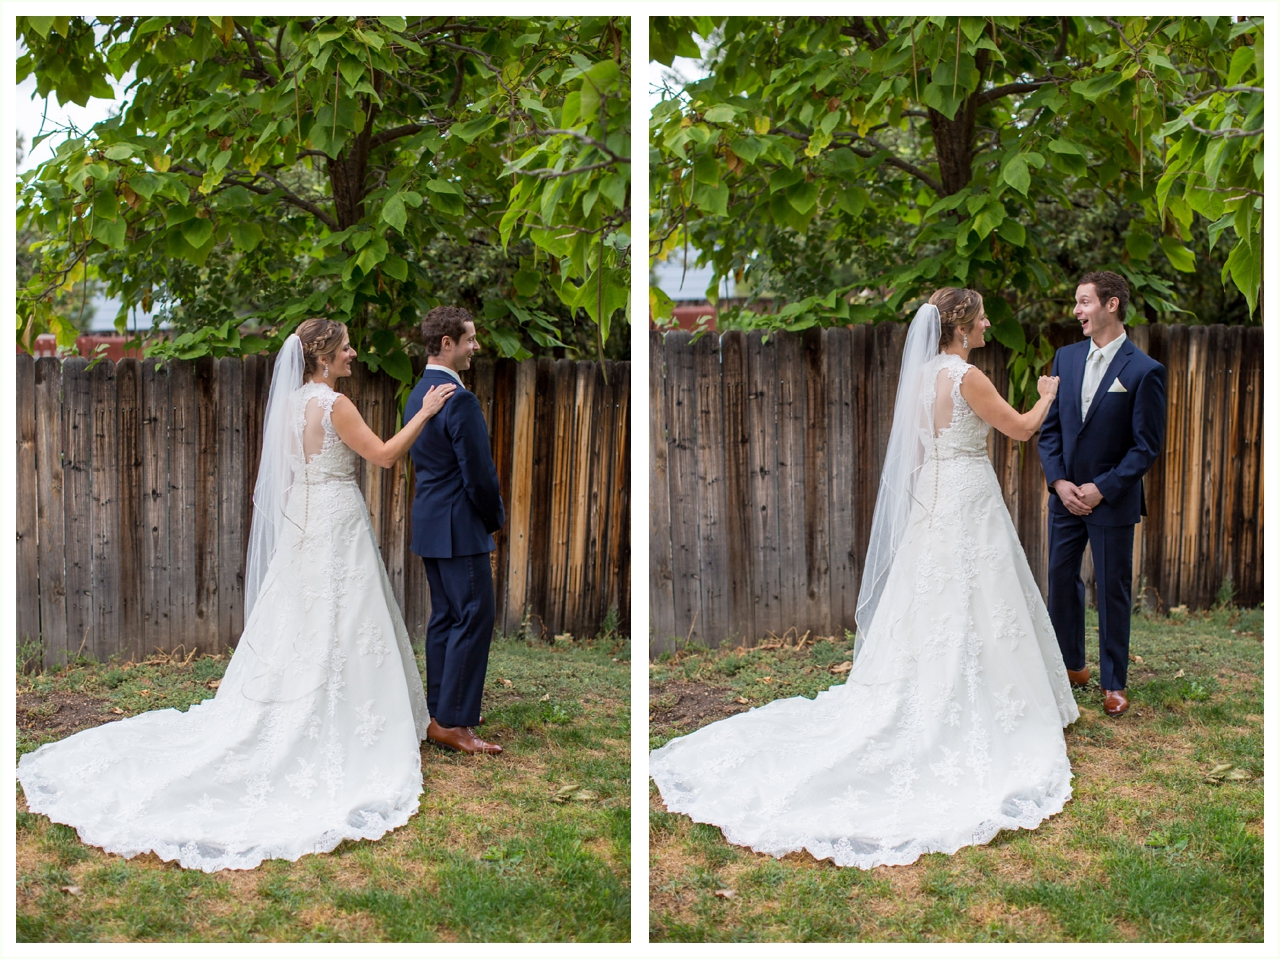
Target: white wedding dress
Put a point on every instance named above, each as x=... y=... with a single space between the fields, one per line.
x=314 y=733
x=949 y=726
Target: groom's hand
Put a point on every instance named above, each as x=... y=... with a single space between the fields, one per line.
x=1069 y=493
x=1090 y=495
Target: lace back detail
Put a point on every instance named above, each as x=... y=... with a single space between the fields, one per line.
x=314 y=421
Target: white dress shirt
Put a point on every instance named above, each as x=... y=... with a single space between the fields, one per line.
x=441 y=368
x=1095 y=366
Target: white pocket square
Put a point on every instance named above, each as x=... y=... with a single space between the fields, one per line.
x=1117 y=387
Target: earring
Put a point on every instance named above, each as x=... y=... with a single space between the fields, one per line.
x=964 y=343
x=326 y=370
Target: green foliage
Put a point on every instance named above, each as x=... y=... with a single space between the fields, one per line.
x=268 y=169
x=885 y=157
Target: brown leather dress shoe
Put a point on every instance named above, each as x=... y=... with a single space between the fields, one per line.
x=1114 y=702
x=1078 y=677
x=460 y=739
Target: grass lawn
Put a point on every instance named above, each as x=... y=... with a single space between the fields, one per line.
x=1158 y=842
x=495 y=853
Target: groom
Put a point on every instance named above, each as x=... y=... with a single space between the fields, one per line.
x=1101 y=436
x=456 y=508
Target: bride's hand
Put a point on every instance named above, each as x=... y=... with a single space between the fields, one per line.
x=435 y=399
x=1048 y=386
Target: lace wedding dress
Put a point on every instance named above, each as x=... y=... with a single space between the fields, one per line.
x=313 y=735
x=949 y=726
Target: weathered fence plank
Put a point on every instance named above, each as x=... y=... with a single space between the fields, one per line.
x=805 y=419
x=104 y=512
x=51 y=510
x=661 y=575
x=233 y=534
x=157 y=426
x=77 y=498
x=139 y=478
x=26 y=555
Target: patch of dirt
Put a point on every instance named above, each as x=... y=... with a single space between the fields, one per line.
x=679 y=706
x=61 y=713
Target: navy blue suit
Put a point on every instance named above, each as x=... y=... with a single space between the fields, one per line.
x=457 y=507
x=1112 y=447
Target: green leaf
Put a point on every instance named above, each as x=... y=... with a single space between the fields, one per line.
x=41 y=25
x=1245 y=267
x=120 y=151
x=197 y=232
x=468 y=130
x=803 y=196
x=712 y=199
x=527 y=282
x=1139 y=243
x=111 y=232
x=393 y=212
x=721 y=113
x=395 y=267
x=1012 y=231
x=373 y=253
x=246 y=235
x=1093 y=88
x=1016 y=174
x=1179 y=256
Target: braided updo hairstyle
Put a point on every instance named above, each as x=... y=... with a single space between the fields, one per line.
x=320 y=341
x=957 y=310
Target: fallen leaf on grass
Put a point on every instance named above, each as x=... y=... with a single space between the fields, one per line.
x=1179 y=674
x=214 y=683
x=742 y=700
x=506 y=682
x=546 y=698
x=117 y=710
x=726 y=893
x=144 y=692
x=1226 y=772
x=1134 y=659
x=766 y=679
x=574 y=793
x=73 y=890
x=844 y=667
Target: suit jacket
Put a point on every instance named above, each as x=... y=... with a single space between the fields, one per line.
x=1116 y=443
x=456 y=503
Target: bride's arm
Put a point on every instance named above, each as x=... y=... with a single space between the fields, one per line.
x=353 y=430
x=981 y=395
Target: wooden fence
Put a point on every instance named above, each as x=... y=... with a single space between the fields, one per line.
x=766 y=458
x=134 y=498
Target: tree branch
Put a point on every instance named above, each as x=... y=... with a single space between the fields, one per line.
x=878 y=148
x=995 y=93
x=232 y=177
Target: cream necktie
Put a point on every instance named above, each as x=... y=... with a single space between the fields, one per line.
x=1092 y=377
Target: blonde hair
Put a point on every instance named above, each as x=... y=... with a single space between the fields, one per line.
x=320 y=341
x=957 y=310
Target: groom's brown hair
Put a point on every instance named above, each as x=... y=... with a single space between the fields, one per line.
x=1109 y=284
x=441 y=322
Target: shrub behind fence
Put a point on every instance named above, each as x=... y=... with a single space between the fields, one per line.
x=766 y=460
x=135 y=483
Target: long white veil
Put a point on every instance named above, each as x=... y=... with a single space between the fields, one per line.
x=281 y=455
x=910 y=441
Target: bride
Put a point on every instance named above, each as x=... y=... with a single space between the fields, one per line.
x=313 y=735
x=949 y=727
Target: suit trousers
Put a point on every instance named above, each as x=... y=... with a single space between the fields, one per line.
x=458 y=636
x=1112 y=548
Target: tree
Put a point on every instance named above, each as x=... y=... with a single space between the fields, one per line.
x=905 y=153
x=288 y=167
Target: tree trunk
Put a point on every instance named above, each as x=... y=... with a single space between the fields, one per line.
x=347 y=173
x=953 y=144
